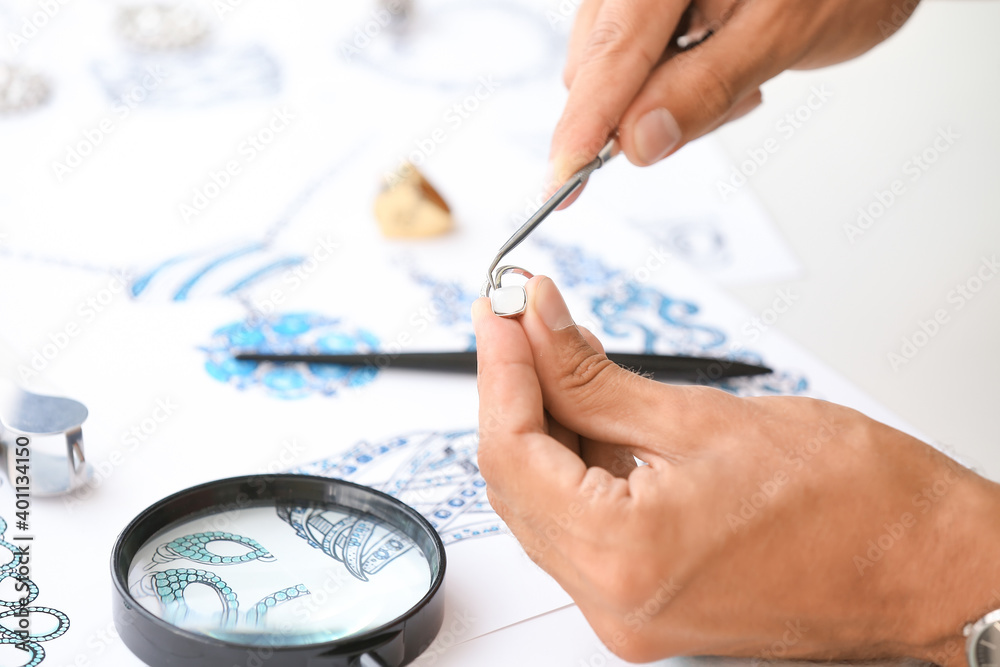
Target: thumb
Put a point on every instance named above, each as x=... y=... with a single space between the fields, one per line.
x=588 y=393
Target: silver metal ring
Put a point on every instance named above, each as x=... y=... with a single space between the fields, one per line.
x=41 y=440
x=497 y=276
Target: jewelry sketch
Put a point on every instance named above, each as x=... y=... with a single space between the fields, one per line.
x=434 y=473
x=362 y=544
x=168 y=586
x=17 y=608
x=293 y=332
x=195 y=548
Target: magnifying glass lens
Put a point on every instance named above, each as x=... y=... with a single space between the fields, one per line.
x=282 y=575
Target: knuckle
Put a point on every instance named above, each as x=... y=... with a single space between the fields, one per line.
x=588 y=370
x=609 y=38
x=613 y=38
x=716 y=93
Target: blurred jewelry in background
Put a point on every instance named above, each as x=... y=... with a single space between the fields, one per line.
x=400 y=15
x=161 y=26
x=417 y=45
x=182 y=41
x=21 y=89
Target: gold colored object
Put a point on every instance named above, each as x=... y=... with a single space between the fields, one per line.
x=410 y=207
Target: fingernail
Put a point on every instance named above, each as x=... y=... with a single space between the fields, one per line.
x=549 y=305
x=656 y=134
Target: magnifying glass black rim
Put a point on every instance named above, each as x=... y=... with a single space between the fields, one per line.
x=147 y=635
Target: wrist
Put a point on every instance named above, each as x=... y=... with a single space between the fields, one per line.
x=961 y=582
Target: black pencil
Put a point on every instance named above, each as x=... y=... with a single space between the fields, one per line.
x=660 y=366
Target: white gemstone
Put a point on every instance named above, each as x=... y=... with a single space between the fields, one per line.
x=509 y=301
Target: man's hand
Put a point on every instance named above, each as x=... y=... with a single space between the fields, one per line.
x=624 y=71
x=771 y=527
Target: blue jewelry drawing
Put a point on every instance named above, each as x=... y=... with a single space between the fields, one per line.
x=11 y=609
x=255 y=615
x=168 y=587
x=623 y=307
x=700 y=241
x=193 y=79
x=203 y=272
x=394 y=54
x=195 y=548
x=288 y=333
x=435 y=473
x=450 y=302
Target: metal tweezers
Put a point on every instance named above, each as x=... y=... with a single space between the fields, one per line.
x=575 y=182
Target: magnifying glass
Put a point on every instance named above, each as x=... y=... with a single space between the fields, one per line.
x=278 y=570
